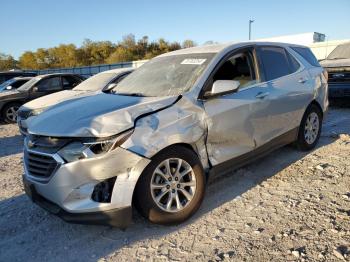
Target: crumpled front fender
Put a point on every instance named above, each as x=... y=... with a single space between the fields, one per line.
x=184 y=122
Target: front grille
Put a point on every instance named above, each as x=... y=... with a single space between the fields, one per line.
x=339 y=77
x=39 y=166
x=45 y=144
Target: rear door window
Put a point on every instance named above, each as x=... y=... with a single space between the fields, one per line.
x=69 y=82
x=307 y=55
x=275 y=62
x=51 y=84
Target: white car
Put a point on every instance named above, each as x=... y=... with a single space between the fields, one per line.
x=154 y=140
x=91 y=86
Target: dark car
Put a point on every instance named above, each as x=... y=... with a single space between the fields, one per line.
x=4 y=76
x=337 y=65
x=36 y=87
x=14 y=83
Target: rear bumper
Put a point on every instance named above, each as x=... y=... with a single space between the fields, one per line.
x=118 y=217
x=340 y=90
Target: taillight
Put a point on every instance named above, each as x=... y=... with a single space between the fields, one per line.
x=325 y=74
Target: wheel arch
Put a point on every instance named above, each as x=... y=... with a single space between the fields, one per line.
x=184 y=145
x=6 y=103
x=317 y=104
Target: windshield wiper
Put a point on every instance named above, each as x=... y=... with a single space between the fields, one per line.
x=335 y=58
x=129 y=94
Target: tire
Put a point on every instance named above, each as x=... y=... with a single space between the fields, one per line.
x=9 y=113
x=180 y=208
x=309 y=135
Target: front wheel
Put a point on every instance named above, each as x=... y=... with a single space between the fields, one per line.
x=310 y=128
x=172 y=186
x=9 y=113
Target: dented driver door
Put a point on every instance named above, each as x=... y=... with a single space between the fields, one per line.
x=234 y=120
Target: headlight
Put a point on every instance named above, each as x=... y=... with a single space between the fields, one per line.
x=36 y=112
x=80 y=150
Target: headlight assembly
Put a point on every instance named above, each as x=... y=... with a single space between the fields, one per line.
x=36 y=112
x=81 y=150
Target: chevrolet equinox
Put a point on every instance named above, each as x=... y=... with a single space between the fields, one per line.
x=155 y=139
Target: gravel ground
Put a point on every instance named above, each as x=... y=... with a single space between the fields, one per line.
x=287 y=206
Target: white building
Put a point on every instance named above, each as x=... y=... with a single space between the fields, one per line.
x=316 y=41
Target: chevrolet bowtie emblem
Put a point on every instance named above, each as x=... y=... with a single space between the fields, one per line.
x=31 y=143
x=338 y=75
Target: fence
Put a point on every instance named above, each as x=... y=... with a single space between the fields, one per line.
x=88 y=71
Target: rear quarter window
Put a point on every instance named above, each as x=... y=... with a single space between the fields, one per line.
x=307 y=55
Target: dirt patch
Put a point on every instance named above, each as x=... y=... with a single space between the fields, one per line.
x=289 y=205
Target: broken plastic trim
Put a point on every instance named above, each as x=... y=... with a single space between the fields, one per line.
x=103 y=191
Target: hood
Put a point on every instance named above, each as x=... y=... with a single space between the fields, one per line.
x=9 y=93
x=52 y=99
x=335 y=63
x=101 y=115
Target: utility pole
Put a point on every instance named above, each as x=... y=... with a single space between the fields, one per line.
x=250 y=28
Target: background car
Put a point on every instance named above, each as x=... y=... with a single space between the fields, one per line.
x=97 y=83
x=337 y=65
x=13 y=83
x=4 y=76
x=36 y=87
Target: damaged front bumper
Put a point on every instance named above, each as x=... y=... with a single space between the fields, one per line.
x=67 y=190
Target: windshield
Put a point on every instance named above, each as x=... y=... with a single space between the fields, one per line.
x=165 y=76
x=340 y=52
x=96 y=82
x=29 y=84
x=6 y=84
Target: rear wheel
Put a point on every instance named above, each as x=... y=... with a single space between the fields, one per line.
x=9 y=112
x=171 y=187
x=310 y=128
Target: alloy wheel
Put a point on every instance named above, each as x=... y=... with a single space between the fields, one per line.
x=11 y=113
x=312 y=126
x=173 y=185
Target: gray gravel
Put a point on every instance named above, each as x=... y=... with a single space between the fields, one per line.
x=287 y=206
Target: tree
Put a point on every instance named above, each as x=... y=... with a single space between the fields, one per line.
x=7 y=62
x=28 y=61
x=188 y=43
x=97 y=52
x=121 y=54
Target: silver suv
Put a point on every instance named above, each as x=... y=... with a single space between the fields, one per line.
x=155 y=139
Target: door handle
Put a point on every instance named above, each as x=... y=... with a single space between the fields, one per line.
x=262 y=95
x=302 y=80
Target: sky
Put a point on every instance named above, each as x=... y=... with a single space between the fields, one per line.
x=28 y=25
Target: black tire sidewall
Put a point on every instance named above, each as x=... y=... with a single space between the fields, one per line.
x=301 y=142
x=144 y=201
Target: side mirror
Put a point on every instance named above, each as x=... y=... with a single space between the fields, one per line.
x=224 y=86
x=35 y=89
x=8 y=87
x=110 y=86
